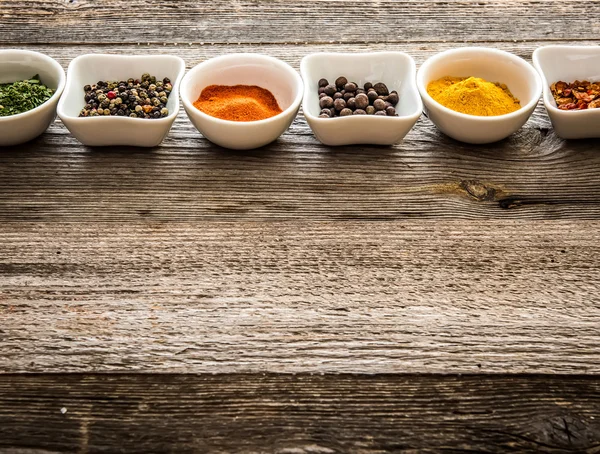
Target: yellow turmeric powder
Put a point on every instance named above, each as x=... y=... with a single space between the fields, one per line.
x=473 y=96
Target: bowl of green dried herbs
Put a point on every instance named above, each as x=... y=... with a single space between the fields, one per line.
x=31 y=84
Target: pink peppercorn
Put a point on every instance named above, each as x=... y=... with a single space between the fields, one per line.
x=111 y=95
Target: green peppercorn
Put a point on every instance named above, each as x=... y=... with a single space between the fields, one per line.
x=370 y=110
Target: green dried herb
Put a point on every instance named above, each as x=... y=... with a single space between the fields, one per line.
x=23 y=95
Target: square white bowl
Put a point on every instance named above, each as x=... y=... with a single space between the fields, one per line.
x=569 y=63
x=243 y=69
x=492 y=65
x=16 y=65
x=395 y=69
x=112 y=130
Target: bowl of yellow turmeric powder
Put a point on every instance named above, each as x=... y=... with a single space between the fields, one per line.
x=478 y=95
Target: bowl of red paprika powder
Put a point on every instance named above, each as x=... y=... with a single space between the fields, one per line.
x=242 y=101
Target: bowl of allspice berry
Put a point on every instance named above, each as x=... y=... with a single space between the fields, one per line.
x=360 y=98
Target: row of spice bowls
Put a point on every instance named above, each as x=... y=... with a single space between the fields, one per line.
x=391 y=77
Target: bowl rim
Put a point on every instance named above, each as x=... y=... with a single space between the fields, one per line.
x=484 y=119
x=57 y=93
x=169 y=118
x=547 y=95
x=365 y=56
x=294 y=106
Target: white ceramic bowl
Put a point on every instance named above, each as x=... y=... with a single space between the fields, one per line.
x=492 y=65
x=395 y=69
x=243 y=69
x=20 y=65
x=112 y=130
x=569 y=63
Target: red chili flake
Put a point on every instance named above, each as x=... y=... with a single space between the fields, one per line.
x=578 y=95
x=111 y=95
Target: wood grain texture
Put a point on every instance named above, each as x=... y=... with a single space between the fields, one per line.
x=281 y=21
x=532 y=175
x=298 y=414
x=369 y=297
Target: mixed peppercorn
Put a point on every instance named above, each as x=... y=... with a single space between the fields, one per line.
x=135 y=98
x=578 y=95
x=344 y=98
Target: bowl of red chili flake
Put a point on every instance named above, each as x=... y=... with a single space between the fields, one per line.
x=571 y=80
x=578 y=95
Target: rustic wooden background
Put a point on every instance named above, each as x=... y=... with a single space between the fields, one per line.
x=430 y=296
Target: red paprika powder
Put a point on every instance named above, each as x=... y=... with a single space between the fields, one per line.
x=237 y=102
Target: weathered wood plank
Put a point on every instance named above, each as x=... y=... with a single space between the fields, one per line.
x=368 y=297
x=298 y=414
x=533 y=174
x=281 y=21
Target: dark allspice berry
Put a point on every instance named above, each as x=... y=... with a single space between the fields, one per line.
x=381 y=89
x=326 y=102
x=362 y=101
x=330 y=90
x=341 y=81
x=339 y=104
x=346 y=98
x=393 y=98
x=379 y=104
x=350 y=86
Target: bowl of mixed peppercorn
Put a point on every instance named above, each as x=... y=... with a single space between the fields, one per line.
x=121 y=99
x=31 y=84
x=571 y=88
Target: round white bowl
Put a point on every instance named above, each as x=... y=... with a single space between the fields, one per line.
x=20 y=65
x=112 y=130
x=490 y=64
x=395 y=69
x=243 y=69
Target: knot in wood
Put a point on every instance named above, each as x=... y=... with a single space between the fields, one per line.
x=568 y=431
x=478 y=190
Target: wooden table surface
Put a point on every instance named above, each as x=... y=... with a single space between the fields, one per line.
x=430 y=296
